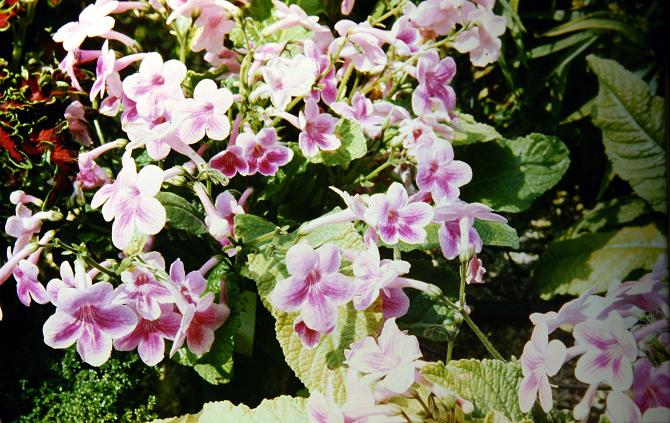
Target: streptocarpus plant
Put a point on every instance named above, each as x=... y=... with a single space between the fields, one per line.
x=275 y=98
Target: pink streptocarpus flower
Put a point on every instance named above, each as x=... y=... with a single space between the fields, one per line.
x=24 y=224
x=93 y=22
x=347 y=6
x=220 y=217
x=88 y=317
x=90 y=174
x=438 y=172
x=130 y=201
x=76 y=57
x=156 y=86
x=482 y=41
x=110 y=105
x=395 y=218
x=315 y=287
x=363 y=46
x=159 y=137
x=433 y=95
x=20 y=197
x=407 y=37
x=476 y=271
x=540 y=359
x=262 y=152
x=651 y=385
x=201 y=316
x=289 y=16
x=76 y=123
x=230 y=161
x=148 y=336
x=309 y=337
x=187 y=7
x=610 y=349
x=318 y=130
x=205 y=113
x=27 y=284
x=286 y=78
x=224 y=57
x=436 y=16
x=327 y=80
x=362 y=111
x=213 y=25
x=392 y=359
x=621 y=409
x=108 y=65
x=569 y=314
x=78 y=279
x=141 y=289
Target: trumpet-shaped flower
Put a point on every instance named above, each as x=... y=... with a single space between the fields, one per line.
x=438 y=172
x=395 y=218
x=205 y=113
x=262 y=152
x=362 y=111
x=289 y=16
x=88 y=317
x=621 y=409
x=436 y=16
x=540 y=359
x=392 y=359
x=362 y=47
x=482 y=41
x=130 y=201
x=93 y=22
x=76 y=123
x=315 y=287
x=156 y=86
x=286 y=78
x=651 y=385
x=433 y=95
x=149 y=336
x=230 y=161
x=27 y=284
x=213 y=25
x=318 y=130
x=610 y=349
x=141 y=289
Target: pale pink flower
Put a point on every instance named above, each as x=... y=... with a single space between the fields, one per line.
x=438 y=172
x=438 y=16
x=88 y=317
x=20 y=197
x=363 y=47
x=396 y=219
x=416 y=132
x=187 y=7
x=90 y=174
x=78 y=279
x=347 y=6
x=76 y=123
x=148 y=336
x=205 y=113
x=213 y=25
x=318 y=130
x=309 y=337
x=220 y=218
x=230 y=161
x=621 y=409
x=130 y=201
x=289 y=16
x=156 y=86
x=110 y=105
x=569 y=314
x=482 y=41
x=315 y=287
x=286 y=78
x=361 y=111
x=476 y=271
x=328 y=80
x=27 y=284
x=407 y=37
x=141 y=289
x=610 y=349
x=434 y=94
x=540 y=359
x=224 y=57
x=107 y=65
x=93 y=22
x=24 y=224
x=76 y=57
x=262 y=152
x=392 y=359
x=651 y=385
x=158 y=139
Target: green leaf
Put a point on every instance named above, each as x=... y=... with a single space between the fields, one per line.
x=469 y=131
x=592 y=23
x=609 y=215
x=216 y=365
x=353 y=145
x=321 y=366
x=244 y=339
x=429 y=319
x=497 y=234
x=277 y=410
x=181 y=214
x=491 y=385
x=511 y=174
x=596 y=260
x=311 y=7
x=631 y=120
x=556 y=46
x=249 y=227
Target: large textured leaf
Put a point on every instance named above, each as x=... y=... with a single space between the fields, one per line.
x=631 y=120
x=609 y=215
x=353 y=145
x=511 y=174
x=497 y=234
x=278 y=410
x=491 y=385
x=321 y=367
x=181 y=214
x=250 y=228
x=595 y=260
x=429 y=318
x=469 y=131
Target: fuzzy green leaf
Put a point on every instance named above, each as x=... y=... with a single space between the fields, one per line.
x=491 y=385
x=511 y=174
x=181 y=214
x=353 y=145
x=595 y=260
x=469 y=131
x=249 y=227
x=631 y=120
x=497 y=234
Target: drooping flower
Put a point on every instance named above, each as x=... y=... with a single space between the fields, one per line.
x=156 y=85
x=476 y=271
x=434 y=95
x=540 y=359
x=130 y=201
x=27 y=284
x=438 y=172
x=569 y=314
x=309 y=337
x=407 y=36
x=76 y=123
x=90 y=174
x=610 y=349
x=213 y=24
x=392 y=359
x=395 y=218
x=88 y=317
x=24 y=224
x=205 y=113
x=482 y=41
x=318 y=130
x=220 y=217
x=149 y=336
x=315 y=287
x=262 y=152
x=287 y=78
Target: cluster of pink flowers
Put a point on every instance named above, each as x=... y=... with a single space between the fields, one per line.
x=622 y=341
